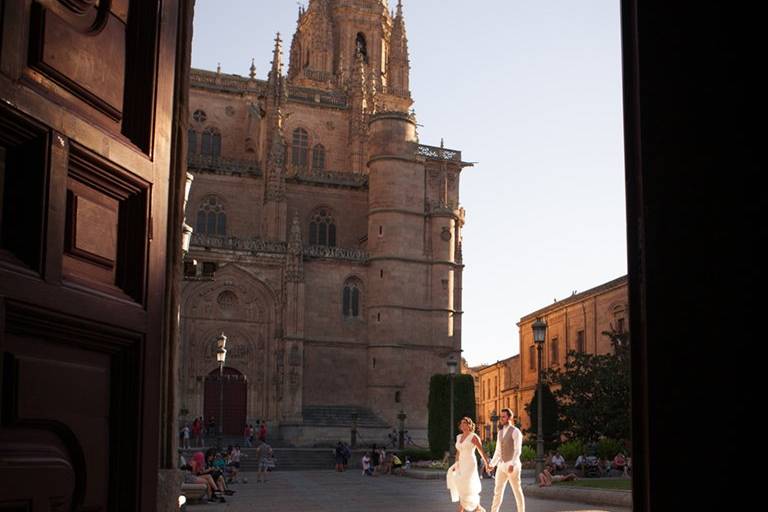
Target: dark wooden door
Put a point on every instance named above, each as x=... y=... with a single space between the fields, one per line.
x=235 y=391
x=86 y=105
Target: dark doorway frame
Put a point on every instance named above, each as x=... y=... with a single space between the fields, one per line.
x=695 y=219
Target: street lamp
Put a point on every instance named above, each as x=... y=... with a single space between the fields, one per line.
x=494 y=424
x=539 y=335
x=221 y=357
x=452 y=365
x=401 y=441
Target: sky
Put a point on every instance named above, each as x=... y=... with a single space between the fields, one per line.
x=531 y=91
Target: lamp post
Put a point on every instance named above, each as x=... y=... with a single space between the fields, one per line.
x=221 y=357
x=452 y=365
x=401 y=438
x=494 y=424
x=539 y=335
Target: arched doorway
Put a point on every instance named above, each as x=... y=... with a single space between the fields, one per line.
x=235 y=400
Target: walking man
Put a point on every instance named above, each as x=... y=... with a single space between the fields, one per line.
x=509 y=446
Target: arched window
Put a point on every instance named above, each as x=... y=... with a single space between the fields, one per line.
x=322 y=229
x=300 y=148
x=211 y=217
x=192 y=141
x=211 y=143
x=318 y=158
x=361 y=47
x=352 y=298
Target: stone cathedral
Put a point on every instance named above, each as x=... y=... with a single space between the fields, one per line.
x=326 y=238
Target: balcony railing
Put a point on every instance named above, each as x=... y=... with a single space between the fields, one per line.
x=436 y=153
x=222 y=165
x=256 y=245
x=344 y=179
x=338 y=253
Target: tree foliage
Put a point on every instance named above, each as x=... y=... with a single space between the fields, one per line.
x=594 y=392
x=439 y=430
x=551 y=416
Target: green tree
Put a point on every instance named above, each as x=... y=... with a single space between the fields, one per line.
x=551 y=416
x=594 y=392
x=439 y=430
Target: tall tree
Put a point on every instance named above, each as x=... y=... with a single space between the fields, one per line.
x=439 y=408
x=551 y=416
x=594 y=392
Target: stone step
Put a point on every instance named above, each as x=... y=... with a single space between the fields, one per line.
x=341 y=415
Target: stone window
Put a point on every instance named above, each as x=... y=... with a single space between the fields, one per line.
x=620 y=325
x=200 y=116
x=397 y=397
x=361 y=47
x=322 y=229
x=531 y=357
x=211 y=217
x=318 y=158
x=190 y=268
x=580 y=344
x=300 y=148
x=192 y=141
x=351 y=298
x=209 y=268
x=211 y=143
x=555 y=351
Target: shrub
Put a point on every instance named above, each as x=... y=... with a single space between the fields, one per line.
x=528 y=454
x=608 y=448
x=489 y=446
x=571 y=450
x=415 y=455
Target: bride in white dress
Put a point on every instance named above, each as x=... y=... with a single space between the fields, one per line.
x=462 y=479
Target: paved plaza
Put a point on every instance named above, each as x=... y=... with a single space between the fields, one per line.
x=329 y=491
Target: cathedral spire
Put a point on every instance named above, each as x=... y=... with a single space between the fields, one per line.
x=398 y=67
x=277 y=57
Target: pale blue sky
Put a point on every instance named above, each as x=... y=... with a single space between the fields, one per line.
x=529 y=89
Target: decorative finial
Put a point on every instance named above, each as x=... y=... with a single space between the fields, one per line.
x=252 y=73
x=218 y=68
x=442 y=146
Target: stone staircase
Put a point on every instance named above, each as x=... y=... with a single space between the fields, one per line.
x=341 y=416
x=291 y=459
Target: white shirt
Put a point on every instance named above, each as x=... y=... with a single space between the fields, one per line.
x=517 y=446
x=559 y=460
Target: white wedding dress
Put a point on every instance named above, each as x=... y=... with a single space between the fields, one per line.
x=464 y=483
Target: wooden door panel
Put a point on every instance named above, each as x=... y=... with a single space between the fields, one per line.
x=86 y=121
x=77 y=381
x=82 y=50
x=23 y=161
x=106 y=226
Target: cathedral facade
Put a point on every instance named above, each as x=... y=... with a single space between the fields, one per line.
x=327 y=238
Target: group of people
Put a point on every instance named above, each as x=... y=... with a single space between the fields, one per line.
x=620 y=465
x=394 y=438
x=194 y=434
x=463 y=480
x=378 y=462
x=250 y=432
x=217 y=469
x=213 y=469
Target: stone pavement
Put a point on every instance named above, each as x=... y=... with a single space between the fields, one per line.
x=328 y=491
